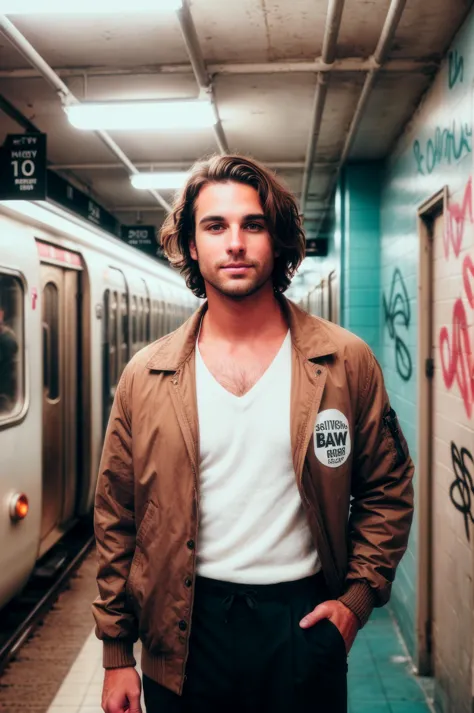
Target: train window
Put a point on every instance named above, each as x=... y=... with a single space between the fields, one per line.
x=154 y=322
x=113 y=339
x=12 y=395
x=333 y=297
x=51 y=380
x=162 y=318
x=141 y=322
x=123 y=332
x=134 y=323
x=106 y=388
x=147 y=321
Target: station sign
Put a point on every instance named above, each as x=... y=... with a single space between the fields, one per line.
x=142 y=237
x=68 y=196
x=23 y=174
x=317 y=247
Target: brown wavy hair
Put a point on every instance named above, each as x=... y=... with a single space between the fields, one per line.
x=278 y=204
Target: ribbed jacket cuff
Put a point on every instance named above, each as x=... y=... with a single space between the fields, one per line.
x=118 y=654
x=360 y=599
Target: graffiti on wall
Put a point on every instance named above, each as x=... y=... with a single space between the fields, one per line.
x=397 y=313
x=447 y=145
x=457 y=359
x=455 y=68
x=457 y=217
x=461 y=491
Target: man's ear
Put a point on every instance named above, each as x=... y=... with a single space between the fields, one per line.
x=193 y=249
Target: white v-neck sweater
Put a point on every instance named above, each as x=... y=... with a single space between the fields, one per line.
x=252 y=525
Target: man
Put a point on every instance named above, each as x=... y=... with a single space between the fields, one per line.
x=232 y=452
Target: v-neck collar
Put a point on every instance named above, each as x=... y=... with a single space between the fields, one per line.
x=249 y=395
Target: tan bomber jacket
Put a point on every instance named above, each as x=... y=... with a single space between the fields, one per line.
x=346 y=443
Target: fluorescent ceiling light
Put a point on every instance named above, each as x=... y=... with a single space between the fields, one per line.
x=96 y=7
x=142 y=115
x=170 y=180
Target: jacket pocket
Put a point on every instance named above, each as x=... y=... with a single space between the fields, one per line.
x=139 y=540
x=394 y=433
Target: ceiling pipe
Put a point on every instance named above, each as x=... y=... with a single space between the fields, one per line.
x=333 y=23
x=13 y=113
x=331 y=32
x=191 y=40
x=383 y=46
x=178 y=165
x=344 y=64
x=67 y=98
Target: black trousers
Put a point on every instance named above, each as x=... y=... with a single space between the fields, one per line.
x=248 y=654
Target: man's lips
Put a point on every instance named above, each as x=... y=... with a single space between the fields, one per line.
x=237 y=266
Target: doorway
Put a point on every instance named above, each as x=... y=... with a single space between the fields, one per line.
x=61 y=399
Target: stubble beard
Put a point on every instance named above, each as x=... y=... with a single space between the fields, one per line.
x=239 y=288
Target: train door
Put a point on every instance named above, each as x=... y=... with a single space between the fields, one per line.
x=61 y=407
x=447 y=454
x=333 y=297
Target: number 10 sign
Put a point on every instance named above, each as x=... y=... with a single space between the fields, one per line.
x=23 y=167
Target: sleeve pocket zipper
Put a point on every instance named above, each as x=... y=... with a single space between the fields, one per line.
x=391 y=422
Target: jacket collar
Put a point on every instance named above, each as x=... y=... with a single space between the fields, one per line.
x=309 y=335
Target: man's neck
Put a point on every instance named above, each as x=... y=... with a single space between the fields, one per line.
x=258 y=316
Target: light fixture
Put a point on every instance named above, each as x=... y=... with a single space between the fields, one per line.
x=169 y=180
x=142 y=115
x=86 y=7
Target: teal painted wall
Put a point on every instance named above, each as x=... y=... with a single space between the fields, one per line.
x=361 y=254
x=377 y=222
x=434 y=151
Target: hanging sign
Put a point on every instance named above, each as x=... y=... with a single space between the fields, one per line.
x=142 y=237
x=317 y=247
x=68 y=196
x=23 y=167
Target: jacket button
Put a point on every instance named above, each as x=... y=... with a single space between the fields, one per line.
x=182 y=625
x=188 y=582
x=190 y=544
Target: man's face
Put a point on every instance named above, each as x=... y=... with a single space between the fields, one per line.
x=232 y=244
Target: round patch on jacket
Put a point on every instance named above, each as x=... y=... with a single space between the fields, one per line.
x=332 y=438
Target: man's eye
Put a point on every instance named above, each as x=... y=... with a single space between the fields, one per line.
x=254 y=227
x=215 y=227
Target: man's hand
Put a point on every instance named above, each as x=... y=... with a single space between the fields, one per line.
x=121 y=691
x=342 y=617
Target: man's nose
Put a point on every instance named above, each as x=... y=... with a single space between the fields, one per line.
x=236 y=239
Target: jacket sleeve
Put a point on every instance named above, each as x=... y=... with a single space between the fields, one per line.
x=114 y=525
x=382 y=497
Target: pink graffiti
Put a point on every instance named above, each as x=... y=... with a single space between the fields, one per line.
x=456 y=219
x=457 y=360
x=456 y=354
x=468 y=278
x=458 y=365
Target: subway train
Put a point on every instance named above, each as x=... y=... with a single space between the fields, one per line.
x=322 y=300
x=75 y=305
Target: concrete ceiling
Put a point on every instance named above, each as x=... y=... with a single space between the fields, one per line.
x=263 y=58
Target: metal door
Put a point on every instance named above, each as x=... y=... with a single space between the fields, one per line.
x=60 y=396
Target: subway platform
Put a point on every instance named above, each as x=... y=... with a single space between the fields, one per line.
x=60 y=669
x=380 y=679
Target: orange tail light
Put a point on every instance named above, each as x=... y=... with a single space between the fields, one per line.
x=19 y=507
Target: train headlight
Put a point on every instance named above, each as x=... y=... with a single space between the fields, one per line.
x=19 y=507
